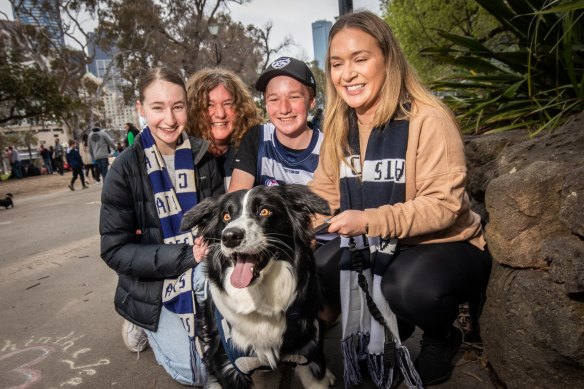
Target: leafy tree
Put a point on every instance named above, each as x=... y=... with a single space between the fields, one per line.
x=418 y=24
x=170 y=33
x=61 y=65
x=262 y=36
x=29 y=140
x=176 y=34
x=320 y=78
x=145 y=34
x=27 y=91
x=534 y=82
x=236 y=47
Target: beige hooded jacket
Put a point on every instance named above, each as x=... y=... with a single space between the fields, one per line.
x=437 y=208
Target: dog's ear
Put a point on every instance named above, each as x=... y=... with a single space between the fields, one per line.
x=201 y=216
x=302 y=199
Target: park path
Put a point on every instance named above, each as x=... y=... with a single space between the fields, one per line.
x=58 y=327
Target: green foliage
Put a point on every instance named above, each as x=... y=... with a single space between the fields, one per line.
x=176 y=34
x=320 y=84
x=46 y=82
x=535 y=81
x=27 y=92
x=417 y=24
x=47 y=76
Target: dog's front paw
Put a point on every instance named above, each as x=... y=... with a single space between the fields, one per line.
x=213 y=385
x=330 y=377
x=309 y=381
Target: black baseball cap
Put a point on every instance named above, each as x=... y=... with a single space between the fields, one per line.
x=286 y=66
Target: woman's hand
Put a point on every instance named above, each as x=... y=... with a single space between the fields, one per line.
x=349 y=223
x=200 y=249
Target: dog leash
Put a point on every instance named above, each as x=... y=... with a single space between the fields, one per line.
x=389 y=347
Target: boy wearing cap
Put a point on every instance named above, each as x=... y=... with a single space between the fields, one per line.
x=284 y=150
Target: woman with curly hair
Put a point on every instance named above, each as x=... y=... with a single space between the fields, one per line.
x=222 y=111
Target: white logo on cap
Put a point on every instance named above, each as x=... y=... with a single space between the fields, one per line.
x=281 y=63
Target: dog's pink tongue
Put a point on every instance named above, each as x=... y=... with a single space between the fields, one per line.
x=243 y=271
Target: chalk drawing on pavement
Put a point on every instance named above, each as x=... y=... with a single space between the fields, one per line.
x=21 y=364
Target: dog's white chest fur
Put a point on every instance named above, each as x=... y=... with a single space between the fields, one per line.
x=257 y=314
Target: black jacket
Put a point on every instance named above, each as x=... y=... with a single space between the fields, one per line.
x=141 y=259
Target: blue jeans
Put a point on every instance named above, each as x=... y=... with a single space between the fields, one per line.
x=171 y=343
x=48 y=165
x=17 y=169
x=102 y=165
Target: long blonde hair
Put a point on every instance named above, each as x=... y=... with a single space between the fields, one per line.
x=401 y=87
x=198 y=87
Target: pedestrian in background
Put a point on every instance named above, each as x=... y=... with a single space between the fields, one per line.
x=52 y=155
x=5 y=160
x=131 y=132
x=88 y=165
x=100 y=145
x=15 y=162
x=221 y=110
x=46 y=156
x=58 y=154
x=317 y=119
x=75 y=164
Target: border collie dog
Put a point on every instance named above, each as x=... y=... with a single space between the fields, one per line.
x=6 y=202
x=264 y=293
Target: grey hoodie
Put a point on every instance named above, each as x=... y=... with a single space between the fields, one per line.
x=98 y=143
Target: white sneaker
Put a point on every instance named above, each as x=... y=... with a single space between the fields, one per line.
x=134 y=337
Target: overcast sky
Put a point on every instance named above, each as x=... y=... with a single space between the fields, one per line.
x=289 y=17
x=294 y=17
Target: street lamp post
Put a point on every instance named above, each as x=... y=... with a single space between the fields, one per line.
x=214 y=31
x=345 y=7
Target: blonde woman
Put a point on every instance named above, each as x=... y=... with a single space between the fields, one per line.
x=393 y=163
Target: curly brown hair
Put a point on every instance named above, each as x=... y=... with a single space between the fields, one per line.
x=204 y=81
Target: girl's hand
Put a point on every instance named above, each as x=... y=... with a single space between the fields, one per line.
x=349 y=223
x=200 y=249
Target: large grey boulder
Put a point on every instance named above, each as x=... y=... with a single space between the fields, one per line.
x=533 y=333
x=523 y=210
x=532 y=324
x=565 y=254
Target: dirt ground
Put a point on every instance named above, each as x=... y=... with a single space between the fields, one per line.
x=31 y=186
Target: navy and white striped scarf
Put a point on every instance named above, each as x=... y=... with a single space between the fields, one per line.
x=379 y=181
x=172 y=201
x=279 y=166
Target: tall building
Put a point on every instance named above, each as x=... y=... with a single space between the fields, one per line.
x=118 y=112
x=115 y=109
x=42 y=13
x=320 y=33
x=101 y=60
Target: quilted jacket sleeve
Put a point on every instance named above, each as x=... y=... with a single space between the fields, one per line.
x=130 y=233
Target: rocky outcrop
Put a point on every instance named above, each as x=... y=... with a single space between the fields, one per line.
x=523 y=210
x=532 y=324
x=532 y=331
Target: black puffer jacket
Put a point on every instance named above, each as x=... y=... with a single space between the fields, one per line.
x=141 y=260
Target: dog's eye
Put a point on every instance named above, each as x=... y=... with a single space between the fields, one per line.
x=264 y=212
x=226 y=217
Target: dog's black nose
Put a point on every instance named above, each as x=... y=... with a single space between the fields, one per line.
x=232 y=237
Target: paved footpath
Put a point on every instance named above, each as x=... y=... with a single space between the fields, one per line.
x=58 y=327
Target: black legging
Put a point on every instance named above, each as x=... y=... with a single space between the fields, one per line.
x=424 y=284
